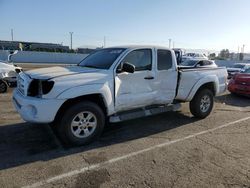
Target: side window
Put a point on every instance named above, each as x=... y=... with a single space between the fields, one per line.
x=141 y=59
x=208 y=63
x=205 y=63
x=164 y=59
x=201 y=63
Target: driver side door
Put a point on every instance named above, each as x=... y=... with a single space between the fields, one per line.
x=134 y=90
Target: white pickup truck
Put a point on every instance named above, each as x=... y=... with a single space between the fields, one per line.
x=112 y=85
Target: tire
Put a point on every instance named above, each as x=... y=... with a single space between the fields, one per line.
x=3 y=86
x=81 y=124
x=202 y=103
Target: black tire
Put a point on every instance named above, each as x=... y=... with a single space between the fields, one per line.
x=196 y=107
x=234 y=94
x=3 y=86
x=65 y=130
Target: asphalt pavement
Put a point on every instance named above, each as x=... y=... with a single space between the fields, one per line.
x=172 y=149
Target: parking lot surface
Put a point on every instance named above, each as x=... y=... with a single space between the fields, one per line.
x=168 y=150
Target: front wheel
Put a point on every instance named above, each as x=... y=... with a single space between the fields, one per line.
x=81 y=124
x=3 y=86
x=202 y=103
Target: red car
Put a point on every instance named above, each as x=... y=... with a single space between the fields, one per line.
x=240 y=83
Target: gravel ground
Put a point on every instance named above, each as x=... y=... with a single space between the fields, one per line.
x=168 y=150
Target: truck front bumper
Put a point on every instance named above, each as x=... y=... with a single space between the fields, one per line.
x=36 y=110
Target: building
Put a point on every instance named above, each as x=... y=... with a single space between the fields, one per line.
x=246 y=57
x=85 y=50
x=32 y=46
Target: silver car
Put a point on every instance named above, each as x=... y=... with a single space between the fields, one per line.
x=8 y=74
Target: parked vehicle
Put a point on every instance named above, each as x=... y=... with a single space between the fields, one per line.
x=236 y=68
x=197 y=63
x=178 y=54
x=113 y=85
x=8 y=74
x=195 y=56
x=240 y=83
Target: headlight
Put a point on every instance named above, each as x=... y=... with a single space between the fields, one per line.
x=18 y=70
x=37 y=88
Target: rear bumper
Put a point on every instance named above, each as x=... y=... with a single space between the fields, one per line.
x=239 y=89
x=36 y=110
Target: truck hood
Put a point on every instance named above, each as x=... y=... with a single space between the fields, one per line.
x=69 y=77
x=56 y=72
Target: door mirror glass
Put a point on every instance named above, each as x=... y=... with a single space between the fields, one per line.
x=128 y=67
x=199 y=64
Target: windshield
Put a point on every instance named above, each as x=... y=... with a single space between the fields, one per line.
x=189 y=63
x=240 y=66
x=102 y=59
x=246 y=71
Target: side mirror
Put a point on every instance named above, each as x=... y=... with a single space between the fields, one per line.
x=11 y=53
x=200 y=64
x=127 y=67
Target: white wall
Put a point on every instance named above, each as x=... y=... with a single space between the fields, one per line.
x=69 y=58
x=4 y=55
x=228 y=63
x=43 y=57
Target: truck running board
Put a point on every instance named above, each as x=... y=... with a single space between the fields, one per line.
x=143 y=112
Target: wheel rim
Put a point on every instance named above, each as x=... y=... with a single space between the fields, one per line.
x=83 y=124
x=205 y=103
x=2 y=87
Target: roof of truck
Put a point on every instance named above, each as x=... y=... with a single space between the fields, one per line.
x=139 y=46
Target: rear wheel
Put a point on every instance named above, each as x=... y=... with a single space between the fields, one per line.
x=3 y=86
x=81 y=124
x=202 y=103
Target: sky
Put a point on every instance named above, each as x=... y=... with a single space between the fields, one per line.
x=195 y=24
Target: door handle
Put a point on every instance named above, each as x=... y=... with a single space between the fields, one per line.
x=149 y=78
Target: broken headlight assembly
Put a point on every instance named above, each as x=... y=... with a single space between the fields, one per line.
x=37 y=88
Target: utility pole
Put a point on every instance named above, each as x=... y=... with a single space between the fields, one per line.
x=169 y=43
x=173 y=44
x=12 y=37
x=71 y=33
x=104 y=41
x=238 y=54
x=243 y=48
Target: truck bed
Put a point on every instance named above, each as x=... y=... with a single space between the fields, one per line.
x=190 y=79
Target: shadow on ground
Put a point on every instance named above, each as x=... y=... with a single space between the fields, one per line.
x=26 y=143
x=234 y=100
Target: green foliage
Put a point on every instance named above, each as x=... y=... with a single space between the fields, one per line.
x=241 y=56
x=212 y=56
x=224 y=54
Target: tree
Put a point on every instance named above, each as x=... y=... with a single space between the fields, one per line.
x=241 y=56
x=212 y=56
x=224 y=54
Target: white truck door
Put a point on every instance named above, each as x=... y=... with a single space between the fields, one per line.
x=166 y=77
x=134 y=90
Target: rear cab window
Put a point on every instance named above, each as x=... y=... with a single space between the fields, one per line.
x=164 y=59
